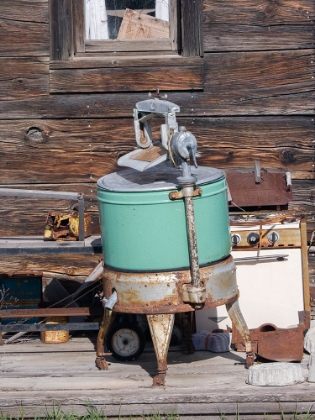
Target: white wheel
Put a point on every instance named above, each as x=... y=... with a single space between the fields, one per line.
x=126 y=342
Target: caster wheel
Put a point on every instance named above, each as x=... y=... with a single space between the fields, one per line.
x=125 y=341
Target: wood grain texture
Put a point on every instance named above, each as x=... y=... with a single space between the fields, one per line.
x=254 y=26
x=252 y=83
x=126 y=79
x=61 y=29
x=67 y=151
x=193 y=104
x=253 y=77
x=263 y=13
x=200 y=384
x=240 y=37
x=191 y=27
x=24 y=29
x=22 y=78
x=69 y=267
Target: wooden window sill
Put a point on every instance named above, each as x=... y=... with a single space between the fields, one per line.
x=90 y=74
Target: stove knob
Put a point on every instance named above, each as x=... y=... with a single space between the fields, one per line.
x=253 y=238
x=273 y=237
x=236 y=239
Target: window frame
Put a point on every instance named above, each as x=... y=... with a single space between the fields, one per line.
x=73 y=70
x=68 y=33
x=81 y=45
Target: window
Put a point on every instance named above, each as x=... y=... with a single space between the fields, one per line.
x=89 y=38
x=130 y=25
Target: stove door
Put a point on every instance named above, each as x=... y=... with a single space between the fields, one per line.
x=271 y=291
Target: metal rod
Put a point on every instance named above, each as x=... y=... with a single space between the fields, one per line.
x=12 y=192
x=192 y=241
x=81 y=217
x=262 y=257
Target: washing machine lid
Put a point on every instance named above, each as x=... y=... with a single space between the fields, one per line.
x=155 y=179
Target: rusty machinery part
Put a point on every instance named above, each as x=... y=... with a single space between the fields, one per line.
x=166 y=288
x=238 y=320
x=65 y=226
x=159 y=379
x=250 y=359
x=108 y=319
x=276 y=344
x=126 y=341
x=259 y=188
x=101 y=363
x=176 y=195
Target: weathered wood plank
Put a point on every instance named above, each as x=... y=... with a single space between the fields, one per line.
x=257 y=26
x=263 y=13
x=23 y=78
x=264 y=83
x=126 y=79
x=120 y=105
x=238 y=37
x=253 y=77
x=67 y=151
x=238 y=142
x=62 y=266
x=61 y=29
x=24 y=29
x=197 y=384
x=191 y=28
x=148 y=61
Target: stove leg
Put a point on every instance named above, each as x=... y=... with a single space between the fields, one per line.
x=237 y=318
x=107 y=320
x=161 y=327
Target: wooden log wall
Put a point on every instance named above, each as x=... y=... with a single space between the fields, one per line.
x=253 y=98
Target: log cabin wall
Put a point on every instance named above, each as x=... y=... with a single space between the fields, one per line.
x=250 y=95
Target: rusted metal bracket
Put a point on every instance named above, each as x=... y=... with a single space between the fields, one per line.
x=276 y=344
x=108 y=318
x=194 y=294
x=176 y=195
x=100 y=360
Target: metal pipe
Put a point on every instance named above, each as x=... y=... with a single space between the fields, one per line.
x=16 y=192
x=192 y=241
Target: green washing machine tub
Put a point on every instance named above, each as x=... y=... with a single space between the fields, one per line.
x=143 y=230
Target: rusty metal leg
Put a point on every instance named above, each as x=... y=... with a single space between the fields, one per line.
x=161 y=327
x=237 y=318
x=108 y=318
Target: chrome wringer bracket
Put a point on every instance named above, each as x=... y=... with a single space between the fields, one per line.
x=150 y=153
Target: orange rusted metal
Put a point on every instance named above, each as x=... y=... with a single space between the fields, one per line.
x=108 y=318
x=65 y=226
x=272 y=189
x=276 y=344
x=238 y=320
x=163 y=292
x=161 y=326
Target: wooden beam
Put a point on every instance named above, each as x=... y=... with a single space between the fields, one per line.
x=192 y=27
x=61 y=29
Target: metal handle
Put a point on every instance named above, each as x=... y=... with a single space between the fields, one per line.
x=279 y=257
